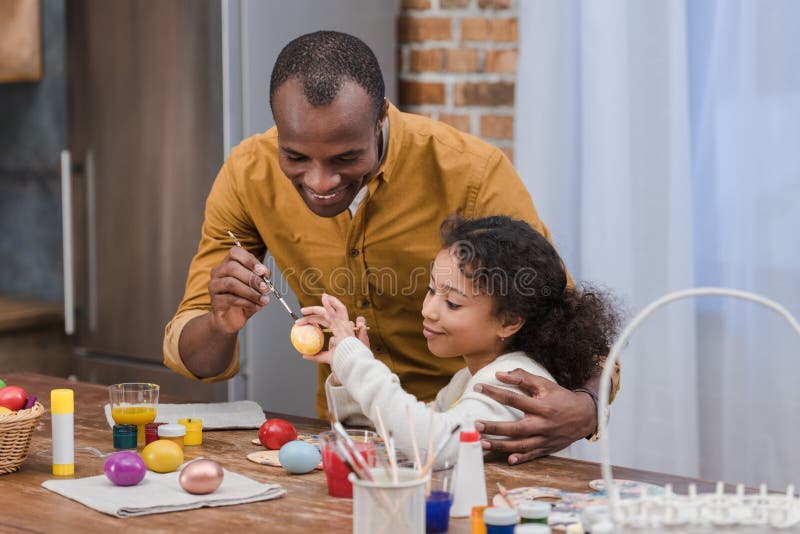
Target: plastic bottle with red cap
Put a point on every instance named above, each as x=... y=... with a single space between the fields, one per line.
x=469 y=486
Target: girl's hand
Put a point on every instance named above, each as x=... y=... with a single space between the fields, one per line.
x=333 y=314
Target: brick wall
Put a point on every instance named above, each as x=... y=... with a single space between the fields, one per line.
x=458 y=62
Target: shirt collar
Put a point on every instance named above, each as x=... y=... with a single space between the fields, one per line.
x=385 y=143
x=362 y=193
x=392 y=143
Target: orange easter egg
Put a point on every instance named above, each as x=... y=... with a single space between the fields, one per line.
x=307 y=339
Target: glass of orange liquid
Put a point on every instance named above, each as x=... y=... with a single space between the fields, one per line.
x=134 y=403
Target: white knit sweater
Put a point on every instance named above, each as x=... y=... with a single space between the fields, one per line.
x=367 y=383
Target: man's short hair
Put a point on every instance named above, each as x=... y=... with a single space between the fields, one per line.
x=322 y=61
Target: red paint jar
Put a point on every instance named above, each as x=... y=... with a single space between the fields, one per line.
x=151 y=432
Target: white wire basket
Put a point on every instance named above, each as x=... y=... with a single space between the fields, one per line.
x=717 y=511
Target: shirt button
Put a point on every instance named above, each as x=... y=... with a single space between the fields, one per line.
x=354 y=252
x=364 y=303
x=378 y=350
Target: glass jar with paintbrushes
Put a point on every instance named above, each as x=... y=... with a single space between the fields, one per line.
x=343 y=452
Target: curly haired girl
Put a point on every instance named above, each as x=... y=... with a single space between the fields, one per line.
x=499 y=298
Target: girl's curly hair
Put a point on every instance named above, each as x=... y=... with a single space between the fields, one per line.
x=568 y=330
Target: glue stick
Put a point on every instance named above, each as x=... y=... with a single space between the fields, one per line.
x=469 y=487
x=62 y=408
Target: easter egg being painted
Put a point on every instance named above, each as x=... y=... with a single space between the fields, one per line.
x=162 y=456
x=307 y=338
x=201 y=476
x=125 y=468
x=299 y=457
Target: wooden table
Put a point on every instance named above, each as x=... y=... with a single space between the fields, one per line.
x=26 y=506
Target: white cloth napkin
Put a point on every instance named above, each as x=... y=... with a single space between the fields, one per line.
x=159 y=493
x=215 y=415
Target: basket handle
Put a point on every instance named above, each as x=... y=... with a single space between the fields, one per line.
x=613 y=356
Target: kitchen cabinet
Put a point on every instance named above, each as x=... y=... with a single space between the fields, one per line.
x=144 y=129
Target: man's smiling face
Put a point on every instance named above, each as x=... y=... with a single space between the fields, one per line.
x=328 y=152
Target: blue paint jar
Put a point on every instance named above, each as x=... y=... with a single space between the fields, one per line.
x=437 y=511
x=125 y=437
x=500 y=520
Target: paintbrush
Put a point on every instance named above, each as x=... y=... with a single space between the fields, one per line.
x=350 y=446
x=430 y=435
x=439 y=448
x=431 y=456
x=389 y=443
x=348 y=460
x=444 y=441
x=335 y=414
x=394 y=456
x=268 y=282
x=418 y=463
x=357 y=328
x=351 y=457
x=506 y=496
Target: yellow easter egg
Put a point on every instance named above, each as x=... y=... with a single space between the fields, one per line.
x=307 y=339
x=162 y=456
x=3 y=409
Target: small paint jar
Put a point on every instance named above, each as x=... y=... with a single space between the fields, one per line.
x=172 y=432
x=533 y=528
x=125 y=437
x=194 y=431
x=533 y=512
x=151 y=432
x=500 y=520
x=594 y=513
x=476 y=519
x=437 y=511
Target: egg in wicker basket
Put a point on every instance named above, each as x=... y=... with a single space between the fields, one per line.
x=16 y=430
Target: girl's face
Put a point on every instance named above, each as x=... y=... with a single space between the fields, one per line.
x=457 y=318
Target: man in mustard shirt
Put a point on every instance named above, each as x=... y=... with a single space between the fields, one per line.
x=348 y=193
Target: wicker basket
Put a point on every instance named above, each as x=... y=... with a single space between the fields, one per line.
x=16 y=430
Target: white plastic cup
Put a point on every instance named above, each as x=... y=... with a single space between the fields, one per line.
x=383 y=506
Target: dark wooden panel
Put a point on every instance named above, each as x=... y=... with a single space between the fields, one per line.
x=17 y=314
x=111 y=370
x=145 y=101
x=40 y=349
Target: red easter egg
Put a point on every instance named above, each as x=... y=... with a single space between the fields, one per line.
x=275 y=432
x=13 y=398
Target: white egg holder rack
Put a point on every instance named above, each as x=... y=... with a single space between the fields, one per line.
x=717 y=509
